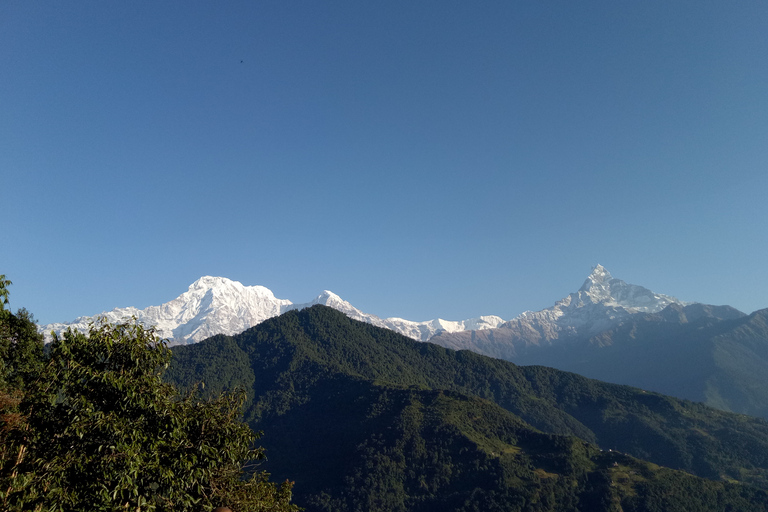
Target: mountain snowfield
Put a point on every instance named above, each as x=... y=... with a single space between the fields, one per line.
x=217 y=305
x=601 y=302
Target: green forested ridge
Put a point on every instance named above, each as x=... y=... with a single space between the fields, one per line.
x=365 y=419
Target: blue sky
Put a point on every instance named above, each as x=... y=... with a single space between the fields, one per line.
x=421 y=159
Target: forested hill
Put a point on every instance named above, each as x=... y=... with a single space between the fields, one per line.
x=366 y=419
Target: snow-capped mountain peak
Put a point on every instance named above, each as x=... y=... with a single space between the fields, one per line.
x=211 y=305
x=225 y=289
x=602 y=288
x=602 y=301
x=327 y=298
x=217 y=305
x=597 y=280
x=330 y=299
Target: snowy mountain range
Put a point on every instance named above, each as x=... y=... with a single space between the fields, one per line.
x=217 y=305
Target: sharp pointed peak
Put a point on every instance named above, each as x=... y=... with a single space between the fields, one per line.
x=328 y=297
x=600 y=272
x=598 y=277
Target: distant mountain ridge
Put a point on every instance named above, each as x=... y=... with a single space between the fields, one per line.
x=602 y=303
x=217 y=305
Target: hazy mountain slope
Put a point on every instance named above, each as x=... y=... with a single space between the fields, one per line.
x=293 y=354
x=711 y=354
x=741 y=356
x=723 y=363
x=625 y=334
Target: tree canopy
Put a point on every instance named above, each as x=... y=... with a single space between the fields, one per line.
x=92 y=426
x=4 y=283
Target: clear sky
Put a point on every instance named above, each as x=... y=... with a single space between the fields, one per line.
x=421 y=159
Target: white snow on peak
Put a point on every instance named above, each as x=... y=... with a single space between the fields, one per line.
x=602 y=288
x=217 y=305
x=211 y=305
x=425 y=330
x=601 y=302
x=330 y=299
x=599 y=273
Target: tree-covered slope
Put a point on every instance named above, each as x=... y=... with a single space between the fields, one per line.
x=357 y=414
x=358 y=446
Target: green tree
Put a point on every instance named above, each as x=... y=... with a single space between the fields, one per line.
x=21 y=348
x=21 y=353
x=4 y=284
x=101 y=431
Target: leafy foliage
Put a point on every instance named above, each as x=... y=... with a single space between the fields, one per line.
x=102 y=431
x=21 y=352
x=21 y=348
x=4 y=284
